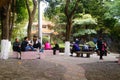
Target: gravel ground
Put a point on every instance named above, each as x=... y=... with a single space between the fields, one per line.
x=61 y=67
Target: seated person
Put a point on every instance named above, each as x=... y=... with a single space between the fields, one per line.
x=56 y=47
x=77 y=41
x=85 y=47
x=92 y=46
x=26 y=45
x=42 y=49
x=75 y=47
x=36 y=43
x=16 y=46
x=47 y=46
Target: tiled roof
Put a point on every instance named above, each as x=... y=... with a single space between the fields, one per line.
x=44 y=31
x=45 y=23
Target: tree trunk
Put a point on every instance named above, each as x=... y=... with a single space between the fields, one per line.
x=68 y=29
x=69 y=16
x=29 y=27
x=3 y=2
x=5 y=22
x=31 y=16
x=12 y=18
x=5 y=44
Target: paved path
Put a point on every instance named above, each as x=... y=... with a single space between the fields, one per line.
x=59 y=67
x=74 y=71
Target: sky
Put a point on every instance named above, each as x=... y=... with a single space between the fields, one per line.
x=44 y=5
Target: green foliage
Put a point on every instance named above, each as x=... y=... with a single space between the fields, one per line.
x=91 y=43
x=113 y=9
x=19 y=30
x=21 y=10
x=112 y=17
x=81 y=22
x=105 y=13
x=20 y=21
x=115 y=32
x=110 y=22
x=93 y=7
x=45 y=39
x=54 y=8
x=85 y=19
x=80 y=32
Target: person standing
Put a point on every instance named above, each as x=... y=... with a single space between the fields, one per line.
x=104 y=48
x=99 y=45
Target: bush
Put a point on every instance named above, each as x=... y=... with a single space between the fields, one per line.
x=45 y=39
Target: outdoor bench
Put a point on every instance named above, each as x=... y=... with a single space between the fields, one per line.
x=90 y=51
x=80 y=53
x=33 y=54
x=29 y=55
x=50 y=52
x=25 y=55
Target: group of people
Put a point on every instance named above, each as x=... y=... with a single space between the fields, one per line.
x=76 y=47
x=48 y=47
x=32 y=45
x=26 y=45
x=100 y=43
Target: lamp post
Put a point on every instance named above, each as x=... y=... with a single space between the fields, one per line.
x=39 y=21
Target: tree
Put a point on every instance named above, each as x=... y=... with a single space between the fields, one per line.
x=5 y=18
x=5 y=13
x=68 y=8
x=84 y=24
x=112 y=19
x=97 y=9
x=3 y=2
x=12 y=18
x=16 y=14
x=113 y=9
x=69 y=16
x=31 y=15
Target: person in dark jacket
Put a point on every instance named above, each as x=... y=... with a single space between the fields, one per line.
x=56 y=47
x=75 y=47
x=26 y=45
x=99 y=45
x=36 y=43
x=16 y=46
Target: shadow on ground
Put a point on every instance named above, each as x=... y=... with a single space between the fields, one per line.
x=107 y=70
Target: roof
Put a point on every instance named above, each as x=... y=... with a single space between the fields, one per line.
x=44 y=31
x=45 y=23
